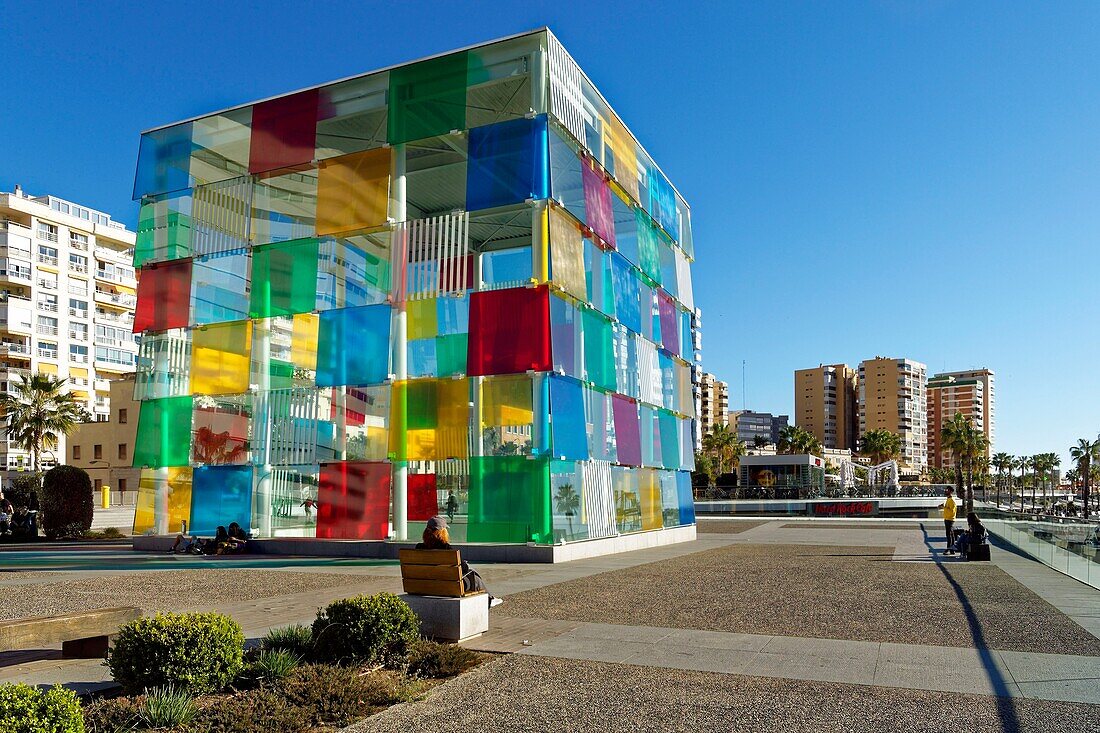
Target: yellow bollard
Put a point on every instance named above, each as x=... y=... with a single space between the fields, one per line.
x=106 y=497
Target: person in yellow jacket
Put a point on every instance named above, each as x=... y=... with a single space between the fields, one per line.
x=949 y=508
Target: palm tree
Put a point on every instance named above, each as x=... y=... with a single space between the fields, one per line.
x=723 y=445
x=880 y=446
x=1002 y=462
x=38 y=411
x=567 y=502
x=955 y=437
x=1085 y=453
x=794 y=440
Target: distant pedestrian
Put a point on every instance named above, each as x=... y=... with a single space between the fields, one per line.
x=949 y=508
x=452 y=505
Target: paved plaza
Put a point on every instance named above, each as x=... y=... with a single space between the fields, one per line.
x=757 y=625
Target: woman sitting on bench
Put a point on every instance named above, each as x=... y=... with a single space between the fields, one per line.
x=973 y=536
x=436 y=537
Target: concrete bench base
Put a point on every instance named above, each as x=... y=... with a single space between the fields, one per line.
x=451 y=619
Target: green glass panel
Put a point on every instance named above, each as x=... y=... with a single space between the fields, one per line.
x=648 y=246
x=450 y=354
x=164 y=433
x=282 y=374
x=599 y=352
x=510 y=500
x=670 y=439
x=284 y=278
x=427 y=98
x=164 y=229
x=422 y=404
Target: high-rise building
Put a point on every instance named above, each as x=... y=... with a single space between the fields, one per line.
x=826 y=404
x=751 y=425
x=461 y=274
x=969 y=393
x=68 y=295
x=714 y=402
x=892 y=396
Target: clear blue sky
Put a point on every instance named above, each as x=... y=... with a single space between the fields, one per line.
x=902 y=178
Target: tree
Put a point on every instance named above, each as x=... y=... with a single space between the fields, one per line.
x=794 y=440
x=759 y=441
x=967 y=445
x=705 y=467
x=38 y=412
x=1002 y=462
x=66 y=501
x=724 y=447
x=880 y=446
x=567 y=502
x=1086 y=454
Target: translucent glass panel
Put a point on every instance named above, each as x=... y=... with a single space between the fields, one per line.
x=600 y=425
x=567 y=254
x=599 y=355
x=171 y=491
x=566 y=178
x=354 y=500
x=670 y=326
x=220 y=430
x=220 y=358
x=283 y=132
x=627 y=439
x=597 y=204
x=628 y=501
x=598 y=277
x=506 y=416
x=163 y=427
x=627 y=293
x=499 y=82
x=662 y=202
x=353 y=270
x=220 y=495
x=284 y=207
x=353 y=191
x=438 y=419
x=219 y=287
x=423 y=497
x=670 y=500
x=163 y=365
x=626 y=362
x=509 y=331
x=508 y=163
x=221 y=145
x=650 y=433
x=285 y=502
x=164 y=229
x=427 y=98
x=164 y=161
x=506 y=268
x=221 y=214
x=669 y=427
x=284 y=278
x=624 y=156
x=354 y=346
x=685 y=497
x=649 y=256
x=164 y=297
x=649 y=491
x=567 y=419
x=364 y=431
x=510 y=500
x=352 y=116
x=566 y=496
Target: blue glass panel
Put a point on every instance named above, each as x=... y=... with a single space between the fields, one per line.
x=627 y=295
x=354 y=346
x=422 y=358
x=452 y=315
x=567 y=419
x=220 y=495
x=670 y=439
x=353 y=271
x=566 y=179
x=219 y=287
x=565 y=335
x=687 y=501
x=508 y=163
x=505 y=268
x=662 y=203
x=164 y=161
x=626 y=230
x=668 y=380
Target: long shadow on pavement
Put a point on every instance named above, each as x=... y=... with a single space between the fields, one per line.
x=1006 y=706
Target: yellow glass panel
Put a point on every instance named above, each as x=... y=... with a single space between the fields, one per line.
x=220 y=358
x=626 y=155
x=353 y=191
x=649 y=489
x=453 y=405
x=177 y=499
x=421 y=445
x=506 y=401
x=567 y=254
x=423 y=320
x=303 y=341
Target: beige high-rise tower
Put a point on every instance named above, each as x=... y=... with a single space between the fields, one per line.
x=969 y=393
x=714 y=402
x=825 y=403
x=892 y=396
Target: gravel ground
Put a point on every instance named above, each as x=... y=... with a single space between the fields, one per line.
x=160 y=591
x=725 y=526
x=520 y=693
x=830 y=592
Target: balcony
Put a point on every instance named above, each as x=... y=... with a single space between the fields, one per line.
x=47 y=260
x=47 y=306
x=78 y=268
x=10 y=373
x=47 y=284
x=47 y=330
x=78 y=313
x=115 y=277
x=78 y=335
x=47 y=235
x=125 y=319
x=119 y=300
x=78 y=358
x=17 y=274
x=78 y=245
x=47 y=353
x=15 y=349
x=102 y=385
x=115 y=255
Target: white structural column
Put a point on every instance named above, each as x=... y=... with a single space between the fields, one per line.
x=400 y=341
x=262 y=487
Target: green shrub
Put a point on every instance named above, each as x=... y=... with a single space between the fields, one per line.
x=197 y=652
x=297 y=639
x=26 y=709
x=338 y=695
x=167 y=707
x=23 y=491
x=256 y=711
x=114 y=715
x=66 y=502
x=376 y=629
x=432 y=660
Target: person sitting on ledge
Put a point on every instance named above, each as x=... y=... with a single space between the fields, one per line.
x=238 y=538
x=436 y=537
x=973 y=536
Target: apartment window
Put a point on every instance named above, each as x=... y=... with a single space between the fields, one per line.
x=47 y=325
x=47 y=232
x=76 y=452
x=122 y=452
x=122 y=416
x=98 y=484
x=47 y=302
x=14 y=268
x=97 y=452
x=79 y=354
x=78 y=287
x=78 y=263
x=78 y=240
x=114 y=356
x=78 y=331
x=47 y=349
x=122 y=485
x=78 y=308
x=47 y=255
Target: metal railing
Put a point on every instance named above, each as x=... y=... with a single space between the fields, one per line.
x=47 y=260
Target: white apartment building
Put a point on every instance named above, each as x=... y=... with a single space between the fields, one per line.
x=892 y=396
x=67 y=298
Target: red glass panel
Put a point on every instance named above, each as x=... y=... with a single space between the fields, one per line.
x=627 y=439
x=354 y=501
x=423 y=502
x=509 y=331
x=164 y=297
x=284 y=132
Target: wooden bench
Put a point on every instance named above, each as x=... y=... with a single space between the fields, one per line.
x=83 y=635
x=432 y=581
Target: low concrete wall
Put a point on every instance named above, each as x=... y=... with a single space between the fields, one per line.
x=780 y=507
x=370 y=549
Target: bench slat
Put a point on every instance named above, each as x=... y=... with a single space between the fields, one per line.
x=429 y=557
x=448 y=588
x=37 y=632
x=431 y=572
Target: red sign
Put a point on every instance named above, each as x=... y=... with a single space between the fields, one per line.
x=845 y=509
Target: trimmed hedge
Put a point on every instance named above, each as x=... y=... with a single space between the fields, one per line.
x=379 y=629
x=26 y=709
x=66 y=502
x=197 y=652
